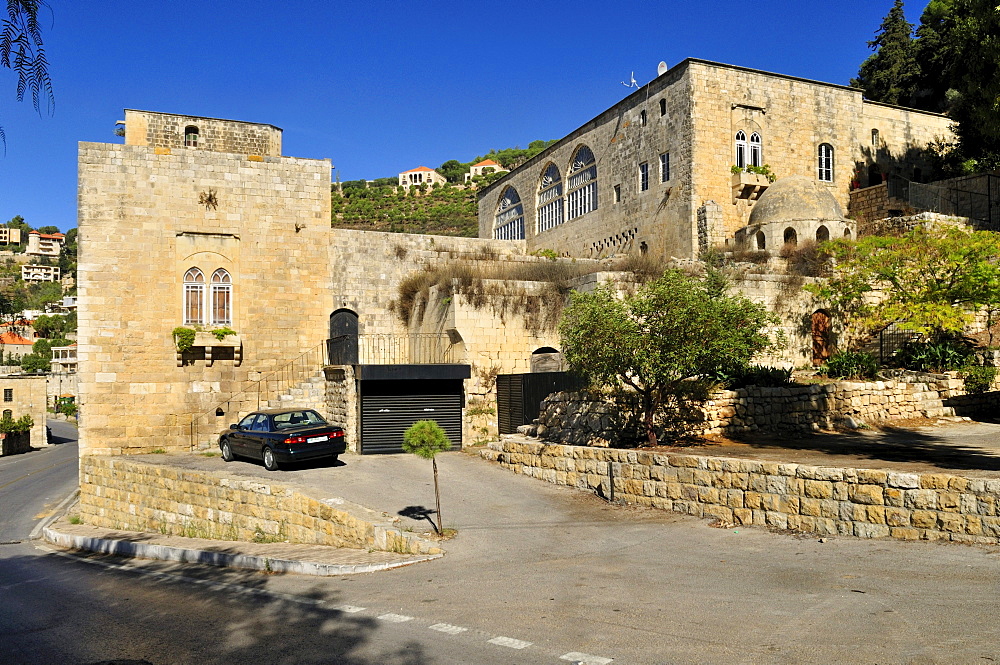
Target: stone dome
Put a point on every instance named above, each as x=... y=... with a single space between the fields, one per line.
x=795 y=198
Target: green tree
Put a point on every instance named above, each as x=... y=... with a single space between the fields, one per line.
x=453 y=170
x=975 y=81
x=426 y=439
x=21 y=50
x=890 y=74
x=930 y=280
x=663 y=340
x=935 y=53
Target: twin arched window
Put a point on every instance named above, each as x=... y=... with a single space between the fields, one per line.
x=550 y=202
x=581 y=195
x=509 y=222
x=213 y=305
x=748 y=153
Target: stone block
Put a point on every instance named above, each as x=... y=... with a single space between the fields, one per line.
x=866 y=494
x=818 y=489
x=920 y=499
x=904 y=533
x=865 y=530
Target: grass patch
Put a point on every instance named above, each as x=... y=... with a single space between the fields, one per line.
x=75 y=519
x=157 y=451
x=210 y=453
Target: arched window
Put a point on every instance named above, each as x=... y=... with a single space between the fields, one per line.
x=509 y=222
x=663 y=107
x=847 y=233
x=642 y=117
x=761 y=241
x=791 y=238
x=581 y=196
x=191 y=136
x=222 y=298
x=822 y=234
x=550 y=202
x=741 y=149
x=825 y=164
x=8 y=414
x=756 y=156
x=194 y=297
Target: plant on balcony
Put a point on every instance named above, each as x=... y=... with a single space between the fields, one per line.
x=222 y=333
x=759 y=170
x=184 y=338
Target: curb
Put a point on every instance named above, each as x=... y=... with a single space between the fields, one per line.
x=59 y=511
x=221 y=559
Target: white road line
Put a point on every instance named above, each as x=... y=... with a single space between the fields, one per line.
x=510 y=642
x=350 y=609
x=395 y=618
x=584 y=658
x=448 y=628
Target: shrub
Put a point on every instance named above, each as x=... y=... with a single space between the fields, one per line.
x=741 y=376
x=851 y=365
x=940 y=356
x=979 y=378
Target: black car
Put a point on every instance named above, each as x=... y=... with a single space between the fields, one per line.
x=282 y=436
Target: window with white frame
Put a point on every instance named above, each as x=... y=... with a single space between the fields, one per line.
x=664 y=166
x=581 y=195
x=550 y=201
x=509 y=220
x=756 y=155
x=825 y=163
x=741 y=149
x=191 y=136
x=222 y=298
x=643 y=176
x=194 y=297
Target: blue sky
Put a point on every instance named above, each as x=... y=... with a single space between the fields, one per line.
x=382 y=87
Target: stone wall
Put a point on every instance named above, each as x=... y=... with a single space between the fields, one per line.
x=577 y=418
x=14 y=443
x=26 y=395
x=866 y=503
x=342 y=403
x=130 y=494
x=166 y=130
x=867 y=206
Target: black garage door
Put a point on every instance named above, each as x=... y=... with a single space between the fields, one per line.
x=388 y=408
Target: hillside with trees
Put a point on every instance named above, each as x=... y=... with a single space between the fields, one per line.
x=451 y=209
x=949 y=64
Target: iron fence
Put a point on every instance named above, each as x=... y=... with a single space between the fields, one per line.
x=385 y=349
x=976 y=197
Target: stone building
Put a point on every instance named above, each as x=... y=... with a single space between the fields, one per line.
x=666 y=169
x=420 y=176
x=25 y=395
x=482 y=168
x=44 y=244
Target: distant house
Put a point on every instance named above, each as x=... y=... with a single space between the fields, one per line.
x=9 y=236
x=482 y=168
x=44 y=244
x=11 y=342
x=420 y=176
x=33 y=273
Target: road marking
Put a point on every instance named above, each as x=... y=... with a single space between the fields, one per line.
x=350 y=609
x=395 y=618
x=510 y=642
x=31 y=473
x=584 y=658
x=448 y=628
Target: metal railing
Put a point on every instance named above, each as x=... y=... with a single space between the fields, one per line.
x=976 y=197
x=385 y=349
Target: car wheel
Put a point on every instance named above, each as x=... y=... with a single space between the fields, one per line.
x=334 y=458
x=227 y=452
x=269 y=462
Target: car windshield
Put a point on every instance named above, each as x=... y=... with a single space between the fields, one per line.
x=292 y=419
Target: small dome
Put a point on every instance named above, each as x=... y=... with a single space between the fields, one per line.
x=794 y=198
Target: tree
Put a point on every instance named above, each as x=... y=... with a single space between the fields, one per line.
x=21 y=50
x=935 y=54
x=890 y=74
x=929 y=281
x=975 y=81
x=453 y=170
x=426 y=439
x=662 y=340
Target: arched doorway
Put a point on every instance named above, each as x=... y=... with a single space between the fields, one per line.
x=342 y=345
x=822 y=234
x=821 y=337
x=546 y=359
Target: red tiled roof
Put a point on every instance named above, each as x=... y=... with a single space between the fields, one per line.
x=13 y=338
x=419 y=168
x=487 y=162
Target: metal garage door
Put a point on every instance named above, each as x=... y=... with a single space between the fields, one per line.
x=384 y=418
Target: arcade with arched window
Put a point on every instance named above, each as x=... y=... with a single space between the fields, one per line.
x=550 y=200
x=509 y=220
x=581 y=195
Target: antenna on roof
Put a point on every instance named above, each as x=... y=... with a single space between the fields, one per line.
x=661 y=68
x=632 y=84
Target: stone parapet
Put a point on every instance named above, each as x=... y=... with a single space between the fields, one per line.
x=129 y=494
x=865 y=503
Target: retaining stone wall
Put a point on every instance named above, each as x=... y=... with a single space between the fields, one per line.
x=125 y=493
x=866 y=503
x=14 y=443
x=577 y=418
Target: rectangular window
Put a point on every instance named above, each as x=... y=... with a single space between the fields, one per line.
x=644 y=176
x=618 y=193
x=665 y=167
x=8 y=394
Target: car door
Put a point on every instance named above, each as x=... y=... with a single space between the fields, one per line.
x=239 y=439
x=257 y=436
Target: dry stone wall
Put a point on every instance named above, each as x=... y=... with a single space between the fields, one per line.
x=866 y=503
x=127 y=493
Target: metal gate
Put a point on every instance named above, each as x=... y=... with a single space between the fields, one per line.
x=519 y=396
x=387 y=411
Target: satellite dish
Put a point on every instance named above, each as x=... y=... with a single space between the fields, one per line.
x=661 y=68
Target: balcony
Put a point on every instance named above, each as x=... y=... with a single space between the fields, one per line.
x=414 y=349
x=749 y=186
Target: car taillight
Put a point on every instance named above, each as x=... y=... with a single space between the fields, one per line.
x=296 y=439
x=333 y=434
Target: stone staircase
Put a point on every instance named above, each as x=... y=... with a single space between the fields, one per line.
x=310 y=392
